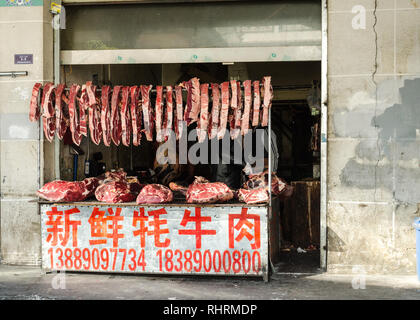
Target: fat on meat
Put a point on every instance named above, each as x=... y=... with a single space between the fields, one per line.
x=195 y=100
x=224 y=111
x=34 y=108
x=154 y=193
x=148 y=116
x=247 y=107
x=105 y=115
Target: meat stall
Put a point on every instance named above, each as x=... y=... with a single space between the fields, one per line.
x=119 y=223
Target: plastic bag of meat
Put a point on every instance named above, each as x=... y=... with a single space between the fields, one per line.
x=253 y=196
x=68 y=191
x=154 y=193
x=203 y=191
x=115 y=191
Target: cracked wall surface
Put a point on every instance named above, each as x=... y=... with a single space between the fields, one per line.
x=373 y=136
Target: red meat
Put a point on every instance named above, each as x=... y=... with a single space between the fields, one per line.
x=224 y=111
x=116 y=130
x=257 y=102
x=179 y=121
x=125 y=117
x=169 y=113
x=247 y=107
x=136 y=118
x=61 y=111
x=214 y=123
x=68 y=191
x=74 y=118
x=34 y=110
x=154 y=193
x=115 y=191
x=268 y=97
x=48 y=111
x=253 y=196
x=204 y=118
x=202 y=191
x=105 y=115
x=148 y=116
x=159 y=113
x=95 y=126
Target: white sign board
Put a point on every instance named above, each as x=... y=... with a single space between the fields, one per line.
x=155 y=239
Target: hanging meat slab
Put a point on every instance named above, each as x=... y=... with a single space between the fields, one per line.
x=154 y=193
x=169 y=113
x=215 y=110
x=247 y=107
x=159 y=113
x=95 y=126
x=204 y=118
x=61 y=111
x=136 y=118
x=116 y=130
x=105 y=115
x=237 y=113
x=34 y=108
x=257 y=103
x=267 y=99
x=125 y=116
x=148 y=117
x=224 y=111
x=73 y=114
x=48 y=111
x=179 y=120
x=195 y=100
x=83 y=109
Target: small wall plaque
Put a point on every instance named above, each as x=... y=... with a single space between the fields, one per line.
x=24 y=59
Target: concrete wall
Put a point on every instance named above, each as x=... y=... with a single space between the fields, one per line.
x=373 y=135
x=27 y=30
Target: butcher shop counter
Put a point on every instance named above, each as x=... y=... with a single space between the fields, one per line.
x=226 y=239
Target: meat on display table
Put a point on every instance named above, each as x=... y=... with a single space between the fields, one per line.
x=198 y=239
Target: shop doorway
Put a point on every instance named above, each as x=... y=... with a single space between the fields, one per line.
x=295 y=122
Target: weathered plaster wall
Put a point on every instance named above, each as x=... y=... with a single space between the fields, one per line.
x=23 y=29
x=374 y=136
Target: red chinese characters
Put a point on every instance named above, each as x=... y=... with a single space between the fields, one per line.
x=154 y=228
x=101 y=225
x=57 y=226
x=244 y=225
x=198 y=231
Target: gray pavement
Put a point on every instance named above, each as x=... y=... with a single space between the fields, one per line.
x=23 y=283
